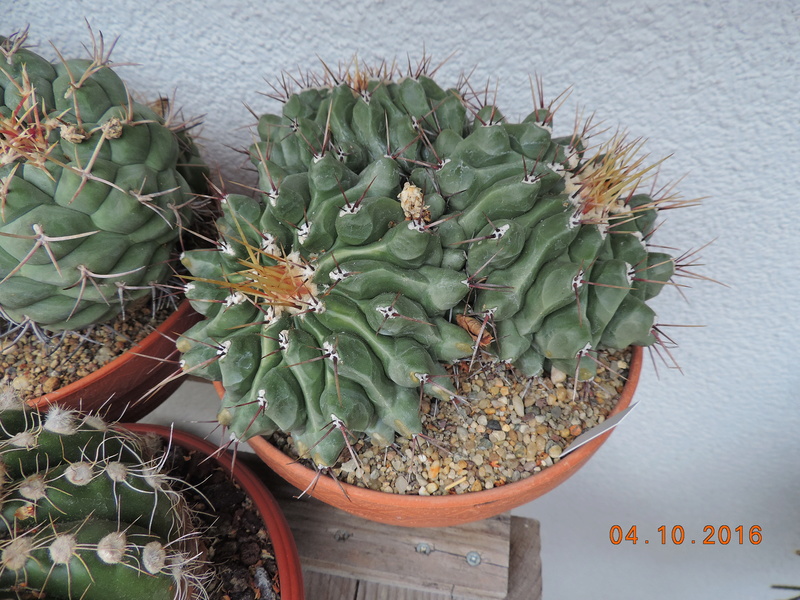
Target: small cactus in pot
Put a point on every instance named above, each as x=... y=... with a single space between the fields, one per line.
x=87 y=512
x=403 y=228
x=95 y=189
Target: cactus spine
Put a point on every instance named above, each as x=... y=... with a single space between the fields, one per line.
x=86 y=513
x=403 y=227
x=93 y=190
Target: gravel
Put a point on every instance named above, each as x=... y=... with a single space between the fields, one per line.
x=34 y=368
x=510 y=428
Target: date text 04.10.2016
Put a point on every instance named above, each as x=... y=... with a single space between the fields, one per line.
x=712 y=535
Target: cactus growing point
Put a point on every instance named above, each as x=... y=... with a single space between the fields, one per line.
x=403 y=227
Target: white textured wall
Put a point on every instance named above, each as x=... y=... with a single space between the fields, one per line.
x=716 y=84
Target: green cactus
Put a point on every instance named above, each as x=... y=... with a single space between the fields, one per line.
x=403 y=227
x=93 y=190
x=86 y=512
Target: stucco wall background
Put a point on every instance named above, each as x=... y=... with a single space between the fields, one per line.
x=713 y=83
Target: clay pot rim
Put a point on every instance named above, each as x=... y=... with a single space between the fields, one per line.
x=549 y=476
x=286 y=556
x=140 y=350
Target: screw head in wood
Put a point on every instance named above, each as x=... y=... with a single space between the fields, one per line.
x=473 y=558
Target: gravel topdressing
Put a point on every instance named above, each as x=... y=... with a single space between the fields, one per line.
x=34 y=368
x=510 y=428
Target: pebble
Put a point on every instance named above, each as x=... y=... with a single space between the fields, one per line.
x=498 y=439
x=519 y=406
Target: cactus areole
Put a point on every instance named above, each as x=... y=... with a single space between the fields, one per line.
x=403 y=227
x=93 y=190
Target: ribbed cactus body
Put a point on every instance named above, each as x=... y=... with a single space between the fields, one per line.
x=93 y=190
x=86 y=512
x=401 y=230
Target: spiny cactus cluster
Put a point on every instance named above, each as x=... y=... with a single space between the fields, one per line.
x=93 y=190
x=403 y=227
x=86 y=512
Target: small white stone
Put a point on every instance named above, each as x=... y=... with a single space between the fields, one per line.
x=557 y=376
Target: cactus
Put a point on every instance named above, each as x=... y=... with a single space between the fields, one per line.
x=86 y=512
x=93 y=190
x=403 y=227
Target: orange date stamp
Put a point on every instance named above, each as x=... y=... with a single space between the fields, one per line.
x=712 y=535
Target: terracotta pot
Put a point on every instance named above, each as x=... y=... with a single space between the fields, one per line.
x=290 y=576
x=127 y=379
x=438 y=511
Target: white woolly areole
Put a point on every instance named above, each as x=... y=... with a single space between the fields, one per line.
x=315 y=305
x=63 y=548
x=630 y=272
x=9 y=399
x=329 y=352
x=79 y=473
x=226 y=248
x=24 y=439
x=499 y=232
x=33 y=488
x=16 y=553
x=531 y=178
x=388 y=312
x=572 y=187
x=111 y=549
x=153 y=477
x=573 y=157
x=269 y=245
x=116 y=471
x=269 y=314
x=95 y=422
x=261 y=398
x=577 y=281
x=575 y=220
x=349 y=209
x=61 y=420
x=283 y=339
x=338 y=274
x=303 y=231
x=154 y=557
x=234 y=299
x=222 y=351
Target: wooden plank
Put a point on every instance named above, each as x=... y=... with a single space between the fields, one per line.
x=525 y=561
x=319 y=586
x=524 y=580
x=337 y=543
x=368 y=590
x=340 y=575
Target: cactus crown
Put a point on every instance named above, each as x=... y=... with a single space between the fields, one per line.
x=87 y=513
x=403 y=227
x=94 y=189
